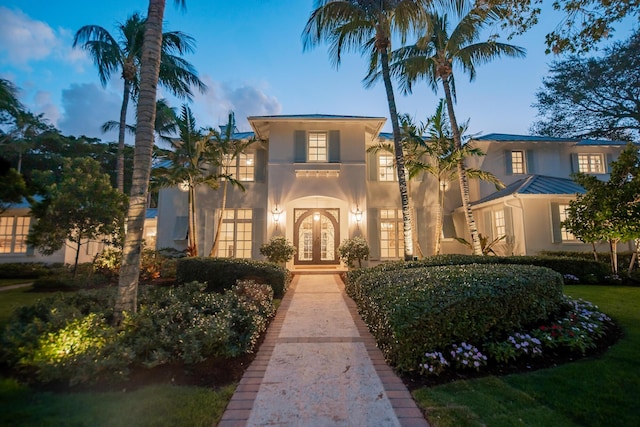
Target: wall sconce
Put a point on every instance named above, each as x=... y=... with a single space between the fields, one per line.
x=276 y=214
x=358 y=214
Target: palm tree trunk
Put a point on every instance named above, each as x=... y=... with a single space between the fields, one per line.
x=121 y=130
x=438 y=234
x=127 y=297
x=462 y=173
x=193 y=239
x=216 y=240
x=414 y=229
x=397 y=145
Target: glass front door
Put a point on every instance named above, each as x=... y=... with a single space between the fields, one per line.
x=317 y=236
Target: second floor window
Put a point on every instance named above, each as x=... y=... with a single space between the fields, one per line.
x=317 y=147
x=590 y=163
x=386 y=170
x=242 y=167
x=517 y=162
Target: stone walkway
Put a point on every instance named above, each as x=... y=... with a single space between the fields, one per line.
x=319 y=366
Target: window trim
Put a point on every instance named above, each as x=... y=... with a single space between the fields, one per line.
x=326 y=147
x=521 y=165
x=601 y=160
x=383 y=170
x=231 y=217
x=13 y=235
x=399 y=233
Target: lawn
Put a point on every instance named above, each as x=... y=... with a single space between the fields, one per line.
x=595 y=392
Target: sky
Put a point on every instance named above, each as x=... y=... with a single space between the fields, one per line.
x=251 y=57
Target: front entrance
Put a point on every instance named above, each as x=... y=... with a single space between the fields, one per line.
x=316 y=237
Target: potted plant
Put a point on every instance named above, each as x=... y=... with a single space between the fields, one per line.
x=278 y=250
x=354 y=249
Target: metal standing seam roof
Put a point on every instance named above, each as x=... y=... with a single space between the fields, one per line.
x=536 y=184
x=505 y=137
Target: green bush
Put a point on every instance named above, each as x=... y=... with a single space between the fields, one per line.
x=223 y=273
x=584 y=270
x=278 y=249
x=70 y=337
x=25 y=270
x=63 y=282
x=413 y=311
x=354 y=249
x=154 y=263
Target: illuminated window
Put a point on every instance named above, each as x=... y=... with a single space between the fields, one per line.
x=591 y=163
x=13 y=234
x=317 y=147
x=241 y=167
x=386 y=170
x=391 y=234
x=498 y=218
x=236 y=234
x=517 y=162
x=566 y=235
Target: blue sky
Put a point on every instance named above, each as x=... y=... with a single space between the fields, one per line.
x=251 y=58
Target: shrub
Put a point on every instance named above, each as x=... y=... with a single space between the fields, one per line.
x=222 y=273
x=278 y=250
x=154 y=263
x=354 y=249
x=25 y=270
x=70 y=337
x=60 y=282
x=419 y=310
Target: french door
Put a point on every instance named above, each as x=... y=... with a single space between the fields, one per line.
x=317 y=234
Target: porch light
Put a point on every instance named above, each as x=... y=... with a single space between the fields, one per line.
x=358 y=214
x=276 y=214
x=316 y=216
x=184 y=186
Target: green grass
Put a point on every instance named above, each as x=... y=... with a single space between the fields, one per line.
x=9 y=282
x=156 y=406
x=603 y=391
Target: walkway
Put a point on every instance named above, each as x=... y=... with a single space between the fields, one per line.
x=319 y=366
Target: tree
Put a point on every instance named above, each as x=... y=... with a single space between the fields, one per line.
x=23 y=134
x=585 y=23
x=368 y=26
x=13 y=189
x=189 y=159
x=9 y=103
x=613 y=206
x=596 y=97
x=445 y=157
x=125 y=55
x=127 y=298
x=227 y=149
x=432 y=58
x=82 y=207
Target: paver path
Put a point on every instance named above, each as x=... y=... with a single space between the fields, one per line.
x=319 y=366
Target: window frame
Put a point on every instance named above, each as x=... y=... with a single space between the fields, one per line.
x=386 y=172
x=590 y=156
x=230 y=226
x=566 y=236
x=398 y=237
x=310 y=149
x=17 y=242
x=518 y=167
x=499 y=223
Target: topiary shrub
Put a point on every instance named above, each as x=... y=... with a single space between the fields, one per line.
x=411 y=312
x=278 y=250
x=222 y=273
x=354 y=249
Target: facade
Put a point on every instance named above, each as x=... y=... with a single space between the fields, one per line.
x=311 y=179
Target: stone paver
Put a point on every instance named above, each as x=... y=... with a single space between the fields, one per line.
x=319 y=366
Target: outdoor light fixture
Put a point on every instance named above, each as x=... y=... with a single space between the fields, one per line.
x=316 y=216
x=184 y=186
x=358 y=214
x=276 y=214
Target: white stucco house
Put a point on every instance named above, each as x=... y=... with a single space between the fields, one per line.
x=311 y=179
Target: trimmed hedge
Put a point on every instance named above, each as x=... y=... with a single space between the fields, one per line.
x=414 y=311
x=26 y=270
x=222 y=273
x=587 y=271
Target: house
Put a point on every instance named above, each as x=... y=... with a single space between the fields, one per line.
x=311 y=179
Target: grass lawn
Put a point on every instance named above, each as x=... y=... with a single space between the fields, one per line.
x=9 y=282
x=593 y=392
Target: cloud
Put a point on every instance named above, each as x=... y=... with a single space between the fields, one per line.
x=213 y=107
x=44 y=104
x=86 y=107
x=23 y=39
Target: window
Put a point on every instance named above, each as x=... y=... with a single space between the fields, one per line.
x=242 y=167
x=500 y=224
x=517 y=162
x=236 y=234
x=385 y=167
x=566 y=235
x=317 y=147
x=591 y=163
x=13 y=234
x=391 y=233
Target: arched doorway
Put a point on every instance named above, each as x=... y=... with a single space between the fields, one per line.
x=316 y=236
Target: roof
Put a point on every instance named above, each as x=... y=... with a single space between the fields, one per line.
x=262 y=124
x=313 y=117
x=151 y=213
x=505 y=137
x=536 y=184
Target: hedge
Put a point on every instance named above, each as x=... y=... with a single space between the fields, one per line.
x=222 y=273
x=26 y=270
x=414 y=311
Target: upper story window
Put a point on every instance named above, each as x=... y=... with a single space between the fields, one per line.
x=13 y=234
x=517 y=162
x=386 y=171
x=242 y=167
x=317 y=151
x=591 y=163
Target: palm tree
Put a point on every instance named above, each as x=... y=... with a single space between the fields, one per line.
x=445 y=158
x=367 y=26
x=227 y=150
x=125 y=55
x=9 y=103
x=127 y=298
x=188 y=160
x=432 y=59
